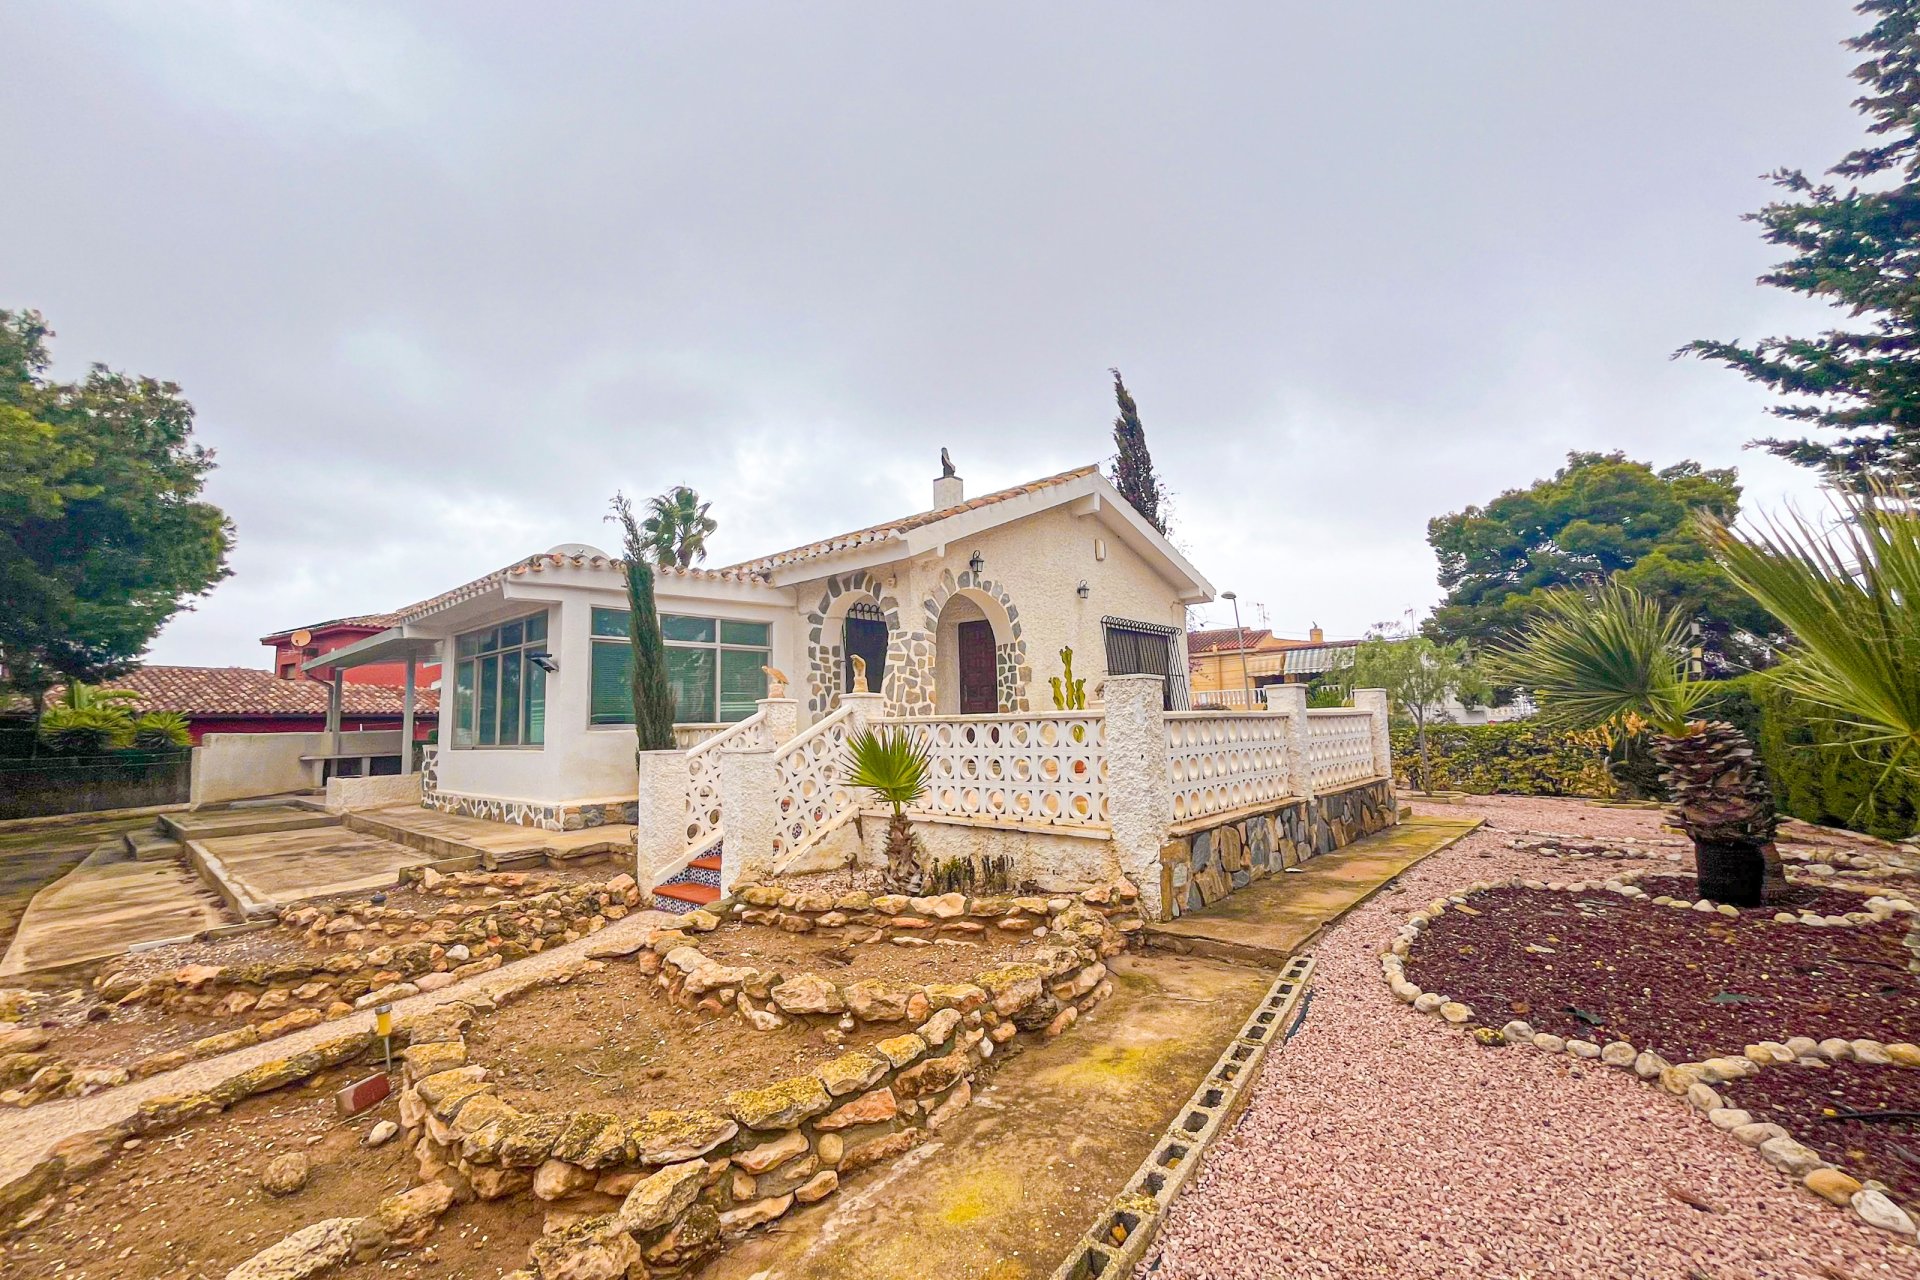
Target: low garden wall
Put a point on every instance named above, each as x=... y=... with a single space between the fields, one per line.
x=46 y=785
x=1199 y=867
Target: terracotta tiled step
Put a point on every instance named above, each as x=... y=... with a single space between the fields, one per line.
x=698 y=894
x=706 y=862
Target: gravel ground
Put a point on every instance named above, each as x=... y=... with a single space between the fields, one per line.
x=1382 y=1142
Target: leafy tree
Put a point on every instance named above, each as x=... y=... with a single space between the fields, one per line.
x=1600 y=517
x=677 y=527
x=1850 y=594
x=895 y=768
x=1133 y=473
x=1613 y=657
x=1419 y=676
x=1858 y=249
x=103 y=536
x=652 y=692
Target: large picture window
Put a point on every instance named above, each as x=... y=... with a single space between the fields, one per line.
x=499 y=693
x=713 y=665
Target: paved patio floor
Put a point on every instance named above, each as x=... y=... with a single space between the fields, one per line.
x=105 y=905
x=312 y=862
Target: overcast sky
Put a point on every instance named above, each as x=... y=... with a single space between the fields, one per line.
x=440 y=278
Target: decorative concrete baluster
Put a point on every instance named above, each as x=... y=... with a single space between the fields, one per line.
x=1139 y=787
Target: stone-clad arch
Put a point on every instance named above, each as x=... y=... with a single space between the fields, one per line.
x=1012 y=674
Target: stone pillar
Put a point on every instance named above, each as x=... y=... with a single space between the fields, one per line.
x=868 y=710
x=1291 y=699
x=660 y=819
x=783 y=718
x=749 y=797
x=1139 y=785
x=1375 y=701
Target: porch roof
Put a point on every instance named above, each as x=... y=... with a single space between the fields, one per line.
x=391 y=645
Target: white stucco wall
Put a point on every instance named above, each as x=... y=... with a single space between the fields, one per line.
x=241 y=766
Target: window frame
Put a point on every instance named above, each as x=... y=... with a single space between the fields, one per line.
x=529 y=677
x=718 y=646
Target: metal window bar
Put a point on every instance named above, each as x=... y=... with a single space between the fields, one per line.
x=1147 y=648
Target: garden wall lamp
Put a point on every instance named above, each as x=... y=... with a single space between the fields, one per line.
x=1083 y=590
x=978 y=564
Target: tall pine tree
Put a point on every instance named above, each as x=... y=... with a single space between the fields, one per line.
x=1133 y=466
x=1857 y=247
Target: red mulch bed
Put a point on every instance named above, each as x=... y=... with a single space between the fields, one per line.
x=1819 y=899
x=1800 y=1100
x=1685 y=984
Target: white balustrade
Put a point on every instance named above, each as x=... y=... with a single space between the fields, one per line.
x=1026 y=770
x=1218 y=761
x=812 y=798
x=705 y=828
x=1339 y=747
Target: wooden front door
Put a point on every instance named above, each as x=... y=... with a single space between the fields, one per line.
x=978 y=694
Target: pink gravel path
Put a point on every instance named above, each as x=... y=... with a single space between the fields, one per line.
x=1381 y=1142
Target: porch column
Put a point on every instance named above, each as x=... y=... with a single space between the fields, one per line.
x=335 y=691
x=869 y=709
x=1375 y=701
x=1291 y=701
x=783 y=718
x=1139 y=785
x=406 y=720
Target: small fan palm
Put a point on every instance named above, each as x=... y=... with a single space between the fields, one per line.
x=895 y=768
x=1851 y=597
x=81 y=696
x=1603 y=657
x=677 y=527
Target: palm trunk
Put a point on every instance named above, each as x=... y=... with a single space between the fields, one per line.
x=904 y=874
x=1723 y=804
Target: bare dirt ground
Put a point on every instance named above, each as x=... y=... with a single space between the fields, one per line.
x=1384 y=1142
x=943 y=960
x=597 y=1044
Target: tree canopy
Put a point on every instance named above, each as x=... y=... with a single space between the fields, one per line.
x=1857 y=248
x=1602 y=517
x=677 y=527
x=103 y=533
x=1133 y=473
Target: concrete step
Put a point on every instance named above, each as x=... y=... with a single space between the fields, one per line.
x=151 y=844
x=209 y=824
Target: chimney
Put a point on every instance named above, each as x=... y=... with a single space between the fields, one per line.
x=1315 y=635
x=948 y=491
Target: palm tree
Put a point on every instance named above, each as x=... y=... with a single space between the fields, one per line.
x=676 y=527
x=80 y=696
x=1599 y=658
x=895 y=768
x=1851 y=597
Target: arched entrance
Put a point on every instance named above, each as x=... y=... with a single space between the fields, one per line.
x=971 y=640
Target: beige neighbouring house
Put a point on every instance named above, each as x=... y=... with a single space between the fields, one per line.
x=959 y=612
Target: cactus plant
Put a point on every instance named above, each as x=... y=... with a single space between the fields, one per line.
x=1069 y=694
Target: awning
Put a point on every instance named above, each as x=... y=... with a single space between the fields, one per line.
x=391 y=645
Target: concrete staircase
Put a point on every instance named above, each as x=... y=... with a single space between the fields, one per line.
x=692 y=889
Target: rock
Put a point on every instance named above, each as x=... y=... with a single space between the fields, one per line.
x=459 y=953
x=1755 y=1135
x=380 y=1134
x=286 y=1174
x=854 y=1072
x=592 y=1249
x=1790 y=1157
x=1877 y=1211
x=1905 y=1055
x=869 y=1108
x=1583 y=1049
x=1871 y=1051
x=433 y=981
x=1517 y=1032
x=1648 y=1064
x=1832 y=1186
x=1703 y=1098
x=1547 y=1043
x=668 y=1137
x=1619 y=1054
x=876 y=1001
x=808 y=993
x=1428 y=1002
x=1727 y=1119
x=1836 y=1049
x=779 y=1106
x=750 y=1216
x=771 y=1155
x=556 y=1178
x=409 y=1217
x=306 y=1252
x=818 y=1187
x=1455 y=1012
x=938 y=1029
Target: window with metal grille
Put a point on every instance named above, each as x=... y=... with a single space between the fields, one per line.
x=1146 y=648
x=866 y=635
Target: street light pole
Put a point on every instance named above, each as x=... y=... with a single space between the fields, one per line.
x=1240 y=642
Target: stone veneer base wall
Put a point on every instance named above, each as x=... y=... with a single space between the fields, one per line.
x=1202 y=867
x=558 y=816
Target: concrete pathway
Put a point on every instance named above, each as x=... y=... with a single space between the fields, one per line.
x=1004 y=1191
x=1275 y=917
x=284 y=867
x=26 y=1135
x=105 y=905
x=451 y=835
x=34 y=853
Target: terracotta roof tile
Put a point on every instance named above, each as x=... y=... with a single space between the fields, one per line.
x=245 y=691
x=545 y=560
x=893 y=528
x=375 y=621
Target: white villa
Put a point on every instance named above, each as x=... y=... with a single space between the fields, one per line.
x=959 y=609
x=959 y=613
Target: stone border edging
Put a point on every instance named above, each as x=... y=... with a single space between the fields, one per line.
x=1692 y=1081
x=1122 y=1231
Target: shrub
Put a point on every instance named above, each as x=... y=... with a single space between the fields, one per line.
x=1819 y=773
x=86 y=730
x=161 y=731
x=1517 y=758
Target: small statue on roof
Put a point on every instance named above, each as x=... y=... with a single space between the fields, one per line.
x=946 y=463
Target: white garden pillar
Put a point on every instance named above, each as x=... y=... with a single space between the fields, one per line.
x=1291 y=701
x=1139 y=784
x=660 y=818
x=865 y=710
x=750 y=799
x=1375 y=701
x=782 y=718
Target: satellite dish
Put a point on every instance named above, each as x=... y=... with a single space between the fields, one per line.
x=571 y=549
x=301 y=638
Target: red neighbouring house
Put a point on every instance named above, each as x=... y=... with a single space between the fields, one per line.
x=300 y=645
x=246 y=700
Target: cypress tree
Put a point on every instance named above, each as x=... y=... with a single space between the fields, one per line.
x=1860 y=251
x=1132 y=465
x=652 y=694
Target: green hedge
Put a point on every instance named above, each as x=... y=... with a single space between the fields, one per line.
x=1517 y=758
x=1817 y=773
